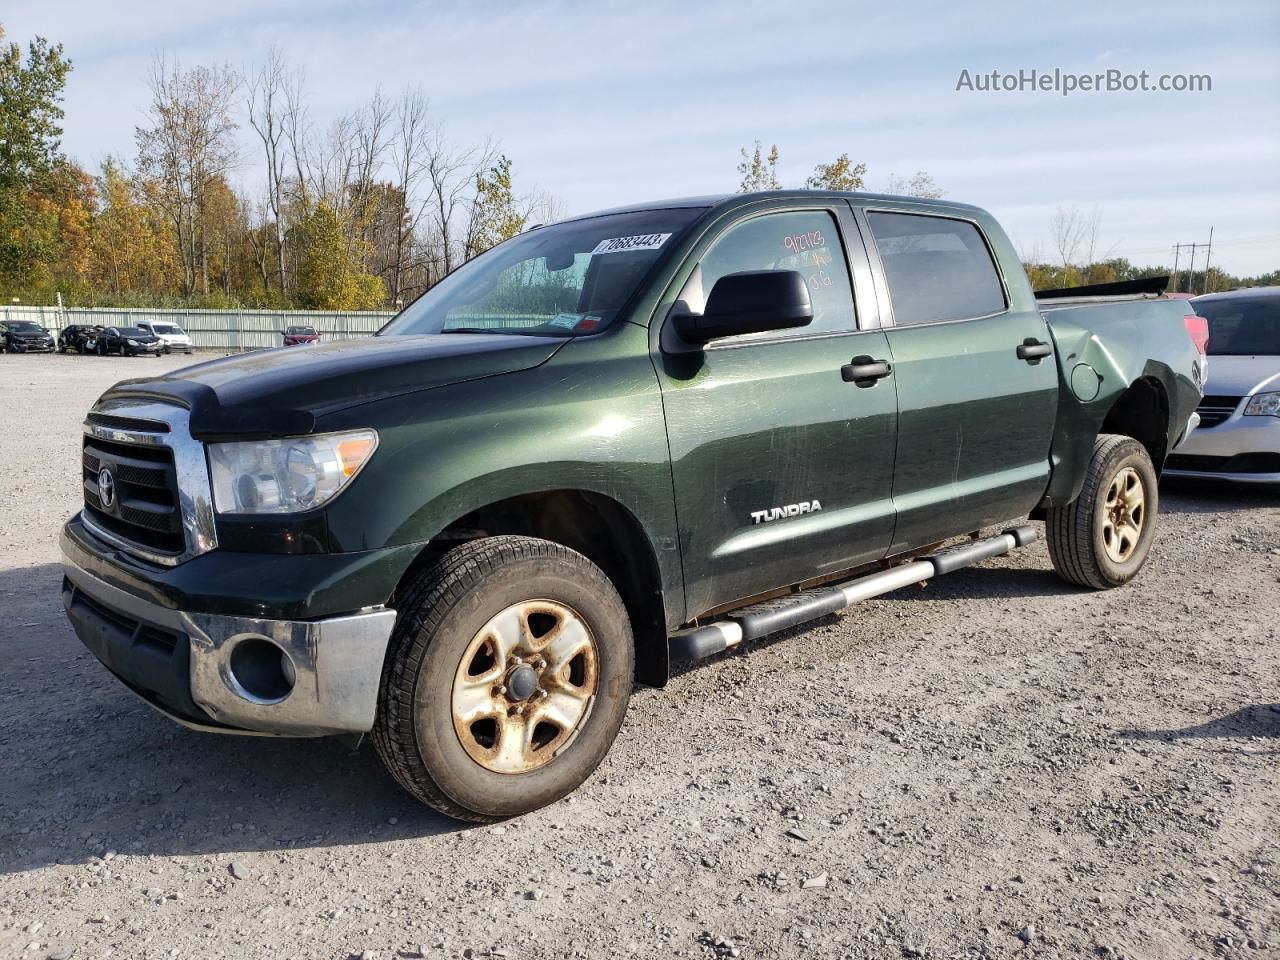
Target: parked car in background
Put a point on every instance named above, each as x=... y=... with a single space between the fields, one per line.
x=23 y=336
x=296 y=335
x=172 y=337
x=1239 y=434
x=128 y=342
x=80 y=337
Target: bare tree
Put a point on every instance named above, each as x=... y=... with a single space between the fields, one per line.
x=407 y=150
x=919 y=184
x=297 y=127
x=451 y=174
x=268 y=105
x=542 y=207
x=332 y=163
x=1031 y=253
x=261 y=245
x=188 y=147
x=1091 y=227
x=1067 y=229
x=372 y=128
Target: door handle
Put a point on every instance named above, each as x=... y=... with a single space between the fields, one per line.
x=1033 y=351
x=865 y=371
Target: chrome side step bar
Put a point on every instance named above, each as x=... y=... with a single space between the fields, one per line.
x=770 y=616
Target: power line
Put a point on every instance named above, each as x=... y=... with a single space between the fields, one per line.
x=1217 y=243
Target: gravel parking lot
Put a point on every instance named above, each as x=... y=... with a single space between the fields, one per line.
x=995 y=765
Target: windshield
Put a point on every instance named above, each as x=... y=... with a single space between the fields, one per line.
x=301 y=331
x=558 y=281
x=24 y=326
x=168 y=329
x=133 y=332
x=1242 y=326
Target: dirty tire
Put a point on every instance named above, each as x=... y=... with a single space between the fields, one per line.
x=1075 y=532
x=441 y=613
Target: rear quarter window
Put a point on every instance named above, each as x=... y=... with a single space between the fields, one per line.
x=936 y=268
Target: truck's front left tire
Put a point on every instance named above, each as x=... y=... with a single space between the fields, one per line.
x=507 y=678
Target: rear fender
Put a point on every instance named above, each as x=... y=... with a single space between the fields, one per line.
x=1102 y=352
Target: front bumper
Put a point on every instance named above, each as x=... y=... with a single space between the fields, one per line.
x=181 y=662
x=1240 y=449
x=31 y=346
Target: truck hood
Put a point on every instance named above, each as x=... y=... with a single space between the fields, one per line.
x=280 y=392
x=1242 y=376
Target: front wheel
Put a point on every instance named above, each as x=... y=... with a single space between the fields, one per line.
x=1103 y=537
x=507 y=678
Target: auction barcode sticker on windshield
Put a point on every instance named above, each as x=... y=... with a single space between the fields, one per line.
x=645 y=241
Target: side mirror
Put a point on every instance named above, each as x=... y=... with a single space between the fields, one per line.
x=750 y=302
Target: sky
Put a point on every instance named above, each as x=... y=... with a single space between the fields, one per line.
x=602 y=103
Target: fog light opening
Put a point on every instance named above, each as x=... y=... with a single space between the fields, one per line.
x=260 y=671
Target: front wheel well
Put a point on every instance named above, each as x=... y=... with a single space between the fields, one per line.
x=599 y=528
x=1142 y=412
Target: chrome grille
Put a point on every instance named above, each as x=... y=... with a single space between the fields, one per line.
x=1214 y=410
x=144 y=496
x=160 y=508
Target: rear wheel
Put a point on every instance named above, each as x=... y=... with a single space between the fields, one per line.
x=507 y=678
x=1103 y=537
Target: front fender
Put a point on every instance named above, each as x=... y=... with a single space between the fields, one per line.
x=589 y=419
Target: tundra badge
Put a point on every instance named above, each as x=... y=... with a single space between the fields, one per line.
x=790 y=510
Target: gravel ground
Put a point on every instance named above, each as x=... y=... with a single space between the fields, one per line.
x=995 y=765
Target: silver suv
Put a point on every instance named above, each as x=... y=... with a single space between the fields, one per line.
x=172 y=337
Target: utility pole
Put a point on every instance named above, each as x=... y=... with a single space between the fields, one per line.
x=1208 y=253
x=1191 y=271
x=1177 y=252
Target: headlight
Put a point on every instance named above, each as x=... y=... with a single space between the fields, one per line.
x=1263 y=405
x=286 y=476
x=136 y=343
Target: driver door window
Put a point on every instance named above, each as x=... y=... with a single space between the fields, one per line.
x=804 y=240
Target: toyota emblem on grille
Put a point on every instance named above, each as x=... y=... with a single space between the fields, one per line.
x=106 y=487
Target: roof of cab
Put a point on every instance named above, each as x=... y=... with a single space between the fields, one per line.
x=724 y=201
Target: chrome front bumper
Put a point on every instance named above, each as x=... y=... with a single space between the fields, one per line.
x=336 y=664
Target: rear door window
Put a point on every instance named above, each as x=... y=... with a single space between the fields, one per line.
x=936 y=268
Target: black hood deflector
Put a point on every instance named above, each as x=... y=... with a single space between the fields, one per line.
x=282 y=392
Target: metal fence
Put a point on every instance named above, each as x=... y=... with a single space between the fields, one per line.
x=210 y=329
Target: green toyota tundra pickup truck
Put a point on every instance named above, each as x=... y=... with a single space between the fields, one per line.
x=640 y=435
